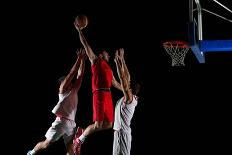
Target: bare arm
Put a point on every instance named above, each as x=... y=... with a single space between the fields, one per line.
x=116 y=84
x=124 y=66
x=66 y=83
x=92 y=57
x=125 y=84
x=80 y=72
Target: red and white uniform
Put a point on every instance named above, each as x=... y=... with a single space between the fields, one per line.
x=65 y=110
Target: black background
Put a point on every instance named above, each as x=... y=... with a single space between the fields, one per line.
x=181 y=109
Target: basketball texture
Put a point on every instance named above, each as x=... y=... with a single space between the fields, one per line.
x=82 y=21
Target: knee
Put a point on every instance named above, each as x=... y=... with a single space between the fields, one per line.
x=107 y=126
x=98 y=126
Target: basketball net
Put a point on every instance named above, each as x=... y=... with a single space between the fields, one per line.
x=177 y=50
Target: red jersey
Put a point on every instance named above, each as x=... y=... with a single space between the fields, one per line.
x=101 y=75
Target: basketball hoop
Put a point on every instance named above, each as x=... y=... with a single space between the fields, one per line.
x=177 y=50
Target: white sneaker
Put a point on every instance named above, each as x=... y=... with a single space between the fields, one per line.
x=29 y=153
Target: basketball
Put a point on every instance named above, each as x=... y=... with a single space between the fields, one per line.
x=82 y=21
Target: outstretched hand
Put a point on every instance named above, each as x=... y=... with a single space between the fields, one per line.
x=119 y=55
x=116 y=56
x=76 y=24
x=121 y=52
x=81 y=53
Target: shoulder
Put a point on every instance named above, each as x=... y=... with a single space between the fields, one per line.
x=134 y=100
x=95 y=61
x=135 y=97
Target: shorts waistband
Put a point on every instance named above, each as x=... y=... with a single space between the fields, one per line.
x=61 y=117
x=101 y=89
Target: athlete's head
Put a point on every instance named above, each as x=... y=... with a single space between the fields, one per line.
x=69 y=86
x=104 y=55
x=135 y=88
x=61 y=79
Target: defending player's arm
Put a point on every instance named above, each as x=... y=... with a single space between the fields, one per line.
x=124 y=66
x=65 y=84
x=80 y=71
x=92 y=57
x=125 y=84
x=116 y=84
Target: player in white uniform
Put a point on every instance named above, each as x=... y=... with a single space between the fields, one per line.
x=65 y=110
x=124 y=109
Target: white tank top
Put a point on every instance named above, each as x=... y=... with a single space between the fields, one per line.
x=123 y=114
x=67 y=105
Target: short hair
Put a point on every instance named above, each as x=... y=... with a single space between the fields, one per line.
x=135 y=87
x=61 y=79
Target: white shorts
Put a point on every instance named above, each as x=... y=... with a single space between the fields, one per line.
x=61 y=127
x=122 y=143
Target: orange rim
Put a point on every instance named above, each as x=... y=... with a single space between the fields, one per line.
x=180 y=44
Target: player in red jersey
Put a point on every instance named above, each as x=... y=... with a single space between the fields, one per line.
x=102 y=79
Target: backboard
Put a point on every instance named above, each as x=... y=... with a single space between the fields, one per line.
x=198 y=45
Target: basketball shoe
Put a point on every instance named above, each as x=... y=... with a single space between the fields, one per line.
x=76 y=142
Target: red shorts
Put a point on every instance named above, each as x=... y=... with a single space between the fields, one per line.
x=103 y=106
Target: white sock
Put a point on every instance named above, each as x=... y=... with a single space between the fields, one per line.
x=82 y=138
x=32 y=152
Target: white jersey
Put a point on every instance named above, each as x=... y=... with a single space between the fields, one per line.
x=123 y=114
x=67 y=105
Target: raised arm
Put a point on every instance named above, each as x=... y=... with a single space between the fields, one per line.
x=125 y=83
x=92 y=57
x=124 y=66
x=116 y=84
x=80 y=72
x=66 y=83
